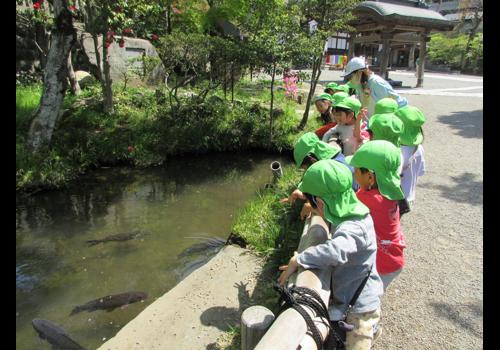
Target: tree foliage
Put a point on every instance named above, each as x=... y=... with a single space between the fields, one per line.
x=448 y=50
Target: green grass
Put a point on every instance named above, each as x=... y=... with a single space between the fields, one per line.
x=27 y=100
x=230 y=340
x=264 y=222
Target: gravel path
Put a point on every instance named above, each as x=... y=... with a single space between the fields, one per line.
x=437 y=301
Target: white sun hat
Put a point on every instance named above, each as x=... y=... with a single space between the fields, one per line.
x=354 y=64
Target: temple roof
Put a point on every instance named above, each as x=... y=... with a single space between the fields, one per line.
x=382 y=12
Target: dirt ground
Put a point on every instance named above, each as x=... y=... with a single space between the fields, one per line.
x=436 y=302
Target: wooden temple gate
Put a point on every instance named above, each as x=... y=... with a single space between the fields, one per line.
x=392 y=23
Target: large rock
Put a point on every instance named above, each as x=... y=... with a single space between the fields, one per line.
x=84 y=78
x=119 y=57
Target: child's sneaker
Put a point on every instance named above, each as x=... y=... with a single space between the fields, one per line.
x=377 y=331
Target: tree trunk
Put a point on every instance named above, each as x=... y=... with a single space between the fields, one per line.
x=168 y=17
x=232 y=83
x=42 y=40
x=272 y=105
x=75 y=87
x=55 y=77
x=314 y=81
x=107 y=84
x=225 y=82
x=90 y=24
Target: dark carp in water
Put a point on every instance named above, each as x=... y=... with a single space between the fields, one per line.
x=110 y=302
x=210 y=244
x=120 y=237
x=55 y=335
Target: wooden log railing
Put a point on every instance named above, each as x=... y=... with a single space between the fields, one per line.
x=289 y=329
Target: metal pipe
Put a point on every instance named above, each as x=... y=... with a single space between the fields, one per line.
x=276 y=169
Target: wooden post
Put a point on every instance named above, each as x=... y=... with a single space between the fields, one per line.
x=411 y=58
x=386 y=48
x=289 y=330
x=421 y=65
x=255 y=321
x=350 y=52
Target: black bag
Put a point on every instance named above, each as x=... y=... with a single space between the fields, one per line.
x=404 y=207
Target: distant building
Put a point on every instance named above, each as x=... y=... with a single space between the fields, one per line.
x=339 y=43
x=452 y=10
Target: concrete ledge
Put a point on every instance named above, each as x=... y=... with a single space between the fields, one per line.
x=198 y=310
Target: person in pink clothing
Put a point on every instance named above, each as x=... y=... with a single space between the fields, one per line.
x=376 y=165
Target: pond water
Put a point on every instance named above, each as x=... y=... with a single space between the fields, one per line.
x=177 y=206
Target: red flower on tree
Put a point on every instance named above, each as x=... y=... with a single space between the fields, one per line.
x=127 y=31
x=72 y=8
x=37 y=5
x=106 y=44
x=154 y=37
x=130 y=149
x=121 y=43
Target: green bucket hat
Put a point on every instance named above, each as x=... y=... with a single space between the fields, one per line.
x=384 y=159
x=305 y=144
x=351 y=103
x=386 y=105
x=386 y=127
x=310 y=143
x=338 y=96
x=413 y=119
x=323 y=96
x=333 y=86
x=323 y=150
x=344 y=88
x=332 y=181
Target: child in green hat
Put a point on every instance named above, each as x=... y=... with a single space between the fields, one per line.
x=331 y=88
x=376 y=166
x=346 y=88
x=323 y=104
x=346 y=112
x=386 y=105
x=387 y=127
x=308 y=150
x=412 y=149
x=350 y=254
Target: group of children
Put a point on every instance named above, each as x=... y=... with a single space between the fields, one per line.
x=360 y=170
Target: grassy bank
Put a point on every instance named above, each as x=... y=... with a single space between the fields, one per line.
x=146 y=129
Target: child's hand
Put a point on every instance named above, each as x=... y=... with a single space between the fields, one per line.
x=289 y=269
x=362 y=114
x=306 y=211
x=297 y=194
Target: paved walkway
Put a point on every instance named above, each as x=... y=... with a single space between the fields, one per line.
x=435 y=84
